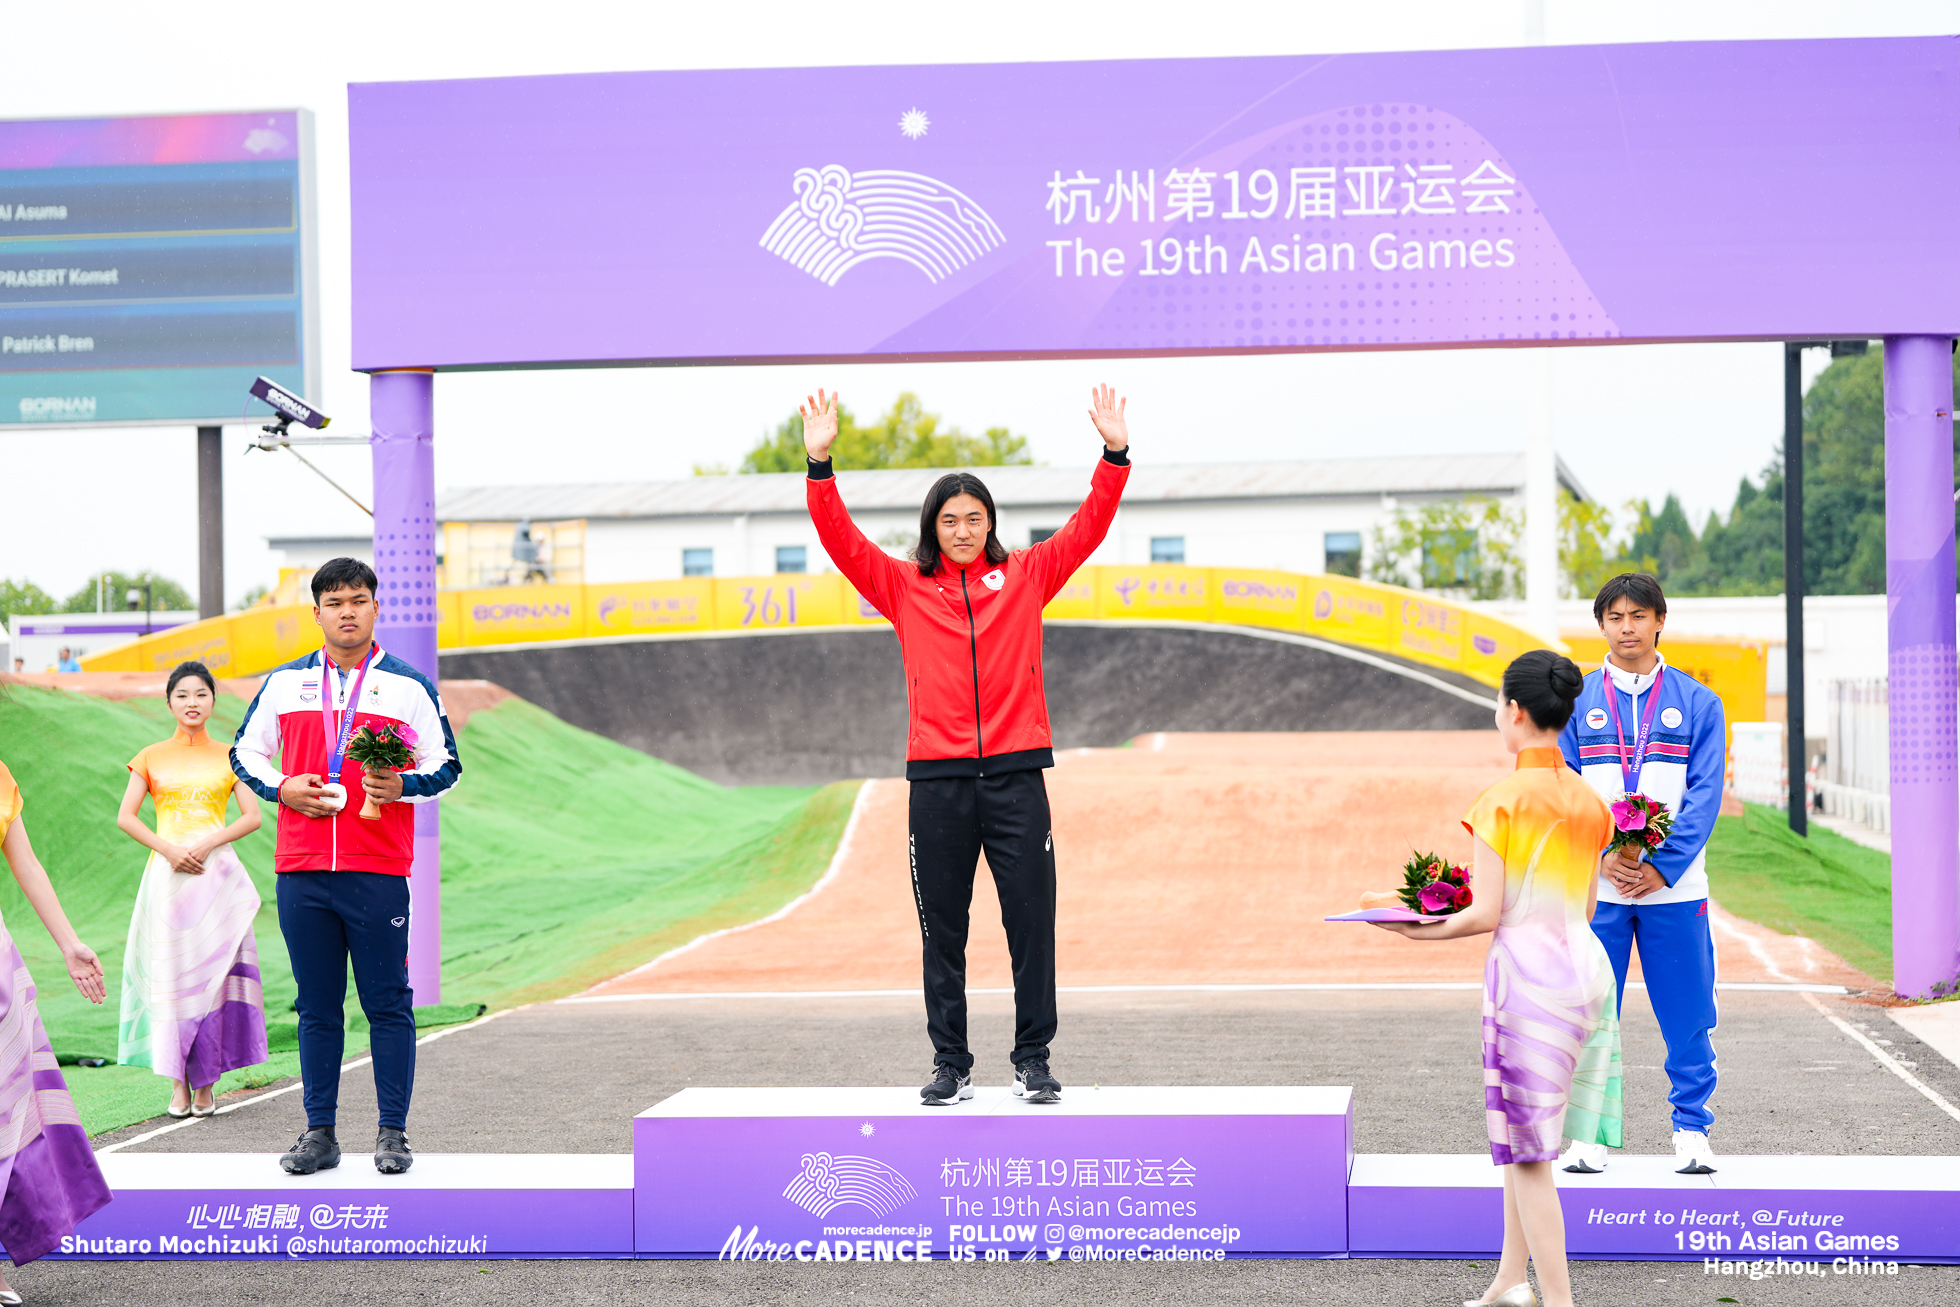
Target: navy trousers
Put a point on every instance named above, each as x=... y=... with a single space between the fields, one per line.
x=330 y=918
x=1677 y=959
x=952 y=820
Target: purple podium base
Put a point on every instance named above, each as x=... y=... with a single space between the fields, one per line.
x=1110 y=1174
x=239 y=1206
x=1107 y=1174
x=1882 y=1209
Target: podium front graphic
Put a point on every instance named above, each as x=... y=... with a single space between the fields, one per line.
x=1174 y=1174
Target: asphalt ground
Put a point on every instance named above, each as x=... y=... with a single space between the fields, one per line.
x=568 y=1077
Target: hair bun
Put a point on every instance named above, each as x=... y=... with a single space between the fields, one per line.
x=1565 y=678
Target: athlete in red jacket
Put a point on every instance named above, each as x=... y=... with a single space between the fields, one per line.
x=968 y=618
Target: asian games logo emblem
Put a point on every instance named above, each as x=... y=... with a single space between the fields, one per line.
x=841 y=219
x=826 y=1183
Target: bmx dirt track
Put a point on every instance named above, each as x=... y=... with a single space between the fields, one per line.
x=1184 y=860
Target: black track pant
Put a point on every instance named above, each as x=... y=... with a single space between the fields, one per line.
x=952 y=820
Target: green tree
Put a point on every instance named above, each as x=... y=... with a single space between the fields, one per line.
x=165 y=594
x=1587 y=555
x=905 y=436
x=1743 y=555
x=23 y=597
x=1843 y=504
x=1666 y=538
x=1467 y=547
x=1844 y=477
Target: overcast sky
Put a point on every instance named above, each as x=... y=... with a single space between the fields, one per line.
x=1631 y=421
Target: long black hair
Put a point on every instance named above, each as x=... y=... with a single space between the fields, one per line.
x=1544 y=684
x=197 y=669
x=950 y=486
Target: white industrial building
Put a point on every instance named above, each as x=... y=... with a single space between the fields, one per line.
x=1308 y=516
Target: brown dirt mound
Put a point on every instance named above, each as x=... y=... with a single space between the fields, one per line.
x=1186 y=859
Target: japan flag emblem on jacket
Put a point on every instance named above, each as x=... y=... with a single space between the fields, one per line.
x=995 y=579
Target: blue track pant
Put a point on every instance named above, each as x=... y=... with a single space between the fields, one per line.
x=330 y=918
x=1677 y=960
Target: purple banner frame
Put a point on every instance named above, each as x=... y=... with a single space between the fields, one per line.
x=1584 y=194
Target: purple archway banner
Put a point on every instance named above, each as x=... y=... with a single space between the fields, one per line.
x=1736 y=190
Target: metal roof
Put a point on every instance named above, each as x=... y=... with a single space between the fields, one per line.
x=1012 y=487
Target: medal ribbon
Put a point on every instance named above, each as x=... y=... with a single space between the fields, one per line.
x=1630 y=776
x=341 y=734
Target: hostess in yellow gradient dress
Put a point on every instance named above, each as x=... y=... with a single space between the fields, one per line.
x=1551 y=1029
x=191 y=1004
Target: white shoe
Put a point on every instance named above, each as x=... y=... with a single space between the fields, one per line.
x=1692 y=1151
x=1583 y=1159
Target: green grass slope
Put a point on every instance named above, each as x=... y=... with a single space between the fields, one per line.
x=1826 y=887
x=566 y=858
x=561 y=848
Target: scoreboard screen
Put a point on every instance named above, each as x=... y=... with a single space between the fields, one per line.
x=151 y=267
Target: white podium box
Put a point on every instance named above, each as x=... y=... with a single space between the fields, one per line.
x=1157 y=1173
x=1806 y=1208
x=241 y=1205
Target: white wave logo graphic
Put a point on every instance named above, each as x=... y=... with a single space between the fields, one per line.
x=841 y=219
x=827 y=1183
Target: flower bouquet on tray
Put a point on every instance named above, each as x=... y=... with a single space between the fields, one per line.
x=388 y=747
x=1431 y=890
x=1639 y=823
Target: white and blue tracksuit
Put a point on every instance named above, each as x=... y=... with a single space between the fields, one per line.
x=1686 y=758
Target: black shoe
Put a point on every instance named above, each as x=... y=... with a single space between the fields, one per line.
x=1033 y=1082
x=316 y=1150
x=948 y=1086
x=392 y=1155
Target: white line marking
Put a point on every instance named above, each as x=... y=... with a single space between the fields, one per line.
x=1884 y=1059
x=1434 y=986
x=830 y=873
x=276 y=1093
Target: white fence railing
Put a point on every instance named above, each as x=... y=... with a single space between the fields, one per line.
x=1856 y=736
x=1856 y=783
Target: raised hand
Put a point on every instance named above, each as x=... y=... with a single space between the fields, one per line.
x=819 y=424
x=1106 y=412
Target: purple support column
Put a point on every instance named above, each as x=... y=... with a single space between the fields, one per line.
x=402 y=406
x=1919 y=603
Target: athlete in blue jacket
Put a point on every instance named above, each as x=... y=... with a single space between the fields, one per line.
x=1659 y=732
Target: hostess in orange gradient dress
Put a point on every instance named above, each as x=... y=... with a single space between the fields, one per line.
x=1551 y=1029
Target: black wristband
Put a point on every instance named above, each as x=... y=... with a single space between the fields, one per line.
x=1118 y=457
x=818 y=471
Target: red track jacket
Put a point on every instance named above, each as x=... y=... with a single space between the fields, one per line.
x=970 y=636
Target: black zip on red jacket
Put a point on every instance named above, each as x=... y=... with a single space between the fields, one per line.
x=971 y=636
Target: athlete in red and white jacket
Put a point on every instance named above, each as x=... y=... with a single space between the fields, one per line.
x=968 y=618
x=970 y=630
x=343 y=879
x=285 y=720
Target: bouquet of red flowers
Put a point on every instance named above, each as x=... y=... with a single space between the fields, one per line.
x=389 y=747
x=1639 y=821
x=1432 y=886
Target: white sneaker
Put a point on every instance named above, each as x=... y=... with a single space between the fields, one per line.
x=1692 y=1151
x=1583 y=1159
